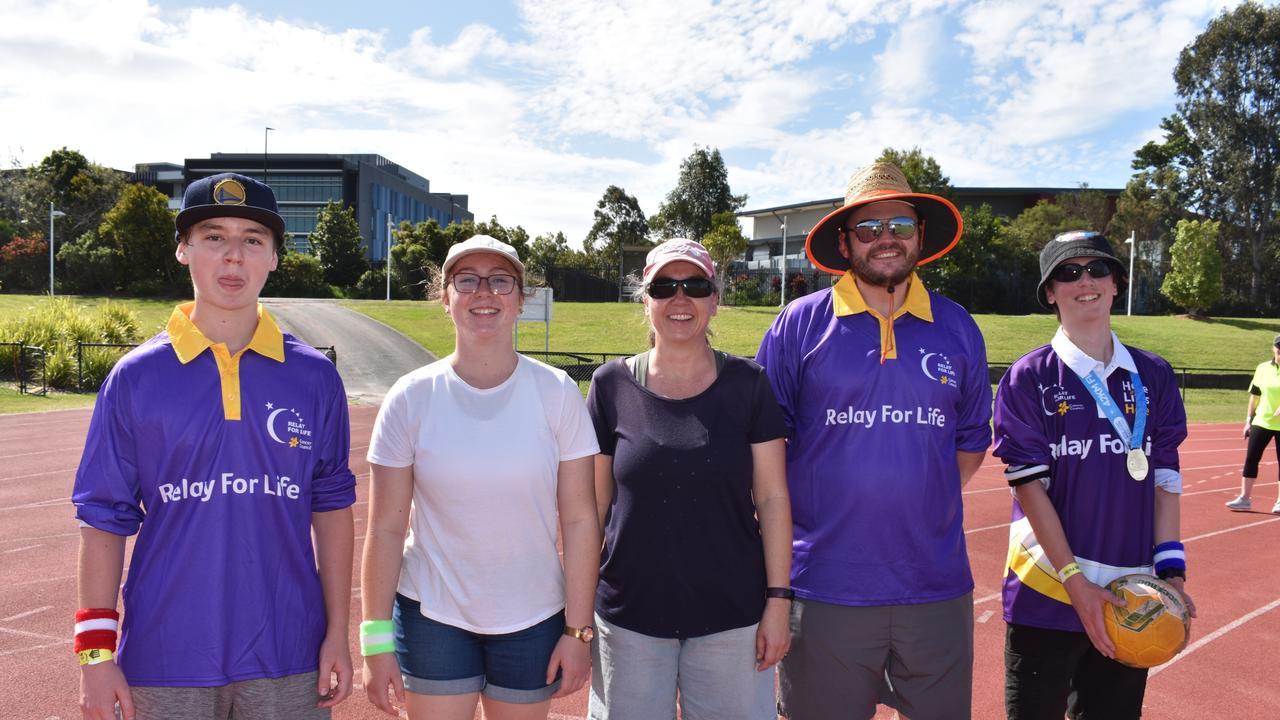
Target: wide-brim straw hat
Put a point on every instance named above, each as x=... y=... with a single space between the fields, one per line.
x=941 y=221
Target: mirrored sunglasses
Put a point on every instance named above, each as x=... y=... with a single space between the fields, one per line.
x=468 y=283
x=867 y=231
x=1071 y=272
x=661 y=288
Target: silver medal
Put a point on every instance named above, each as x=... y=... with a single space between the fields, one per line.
x=1136 y=461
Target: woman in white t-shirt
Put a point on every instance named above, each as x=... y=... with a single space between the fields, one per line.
x=479 y=457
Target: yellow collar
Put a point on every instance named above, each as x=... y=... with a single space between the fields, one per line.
x=188 y=342
x=848 y=300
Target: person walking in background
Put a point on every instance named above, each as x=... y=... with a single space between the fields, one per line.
x=479 y=457
x=694 y=590
x=1261 y=426
x=1089 y=429
x=885 y=392
x=223 y=443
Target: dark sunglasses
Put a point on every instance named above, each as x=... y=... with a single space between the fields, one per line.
x=1071 y=272
x=867 y=231
x=661 y=288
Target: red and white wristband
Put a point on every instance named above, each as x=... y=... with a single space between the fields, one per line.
x=96 y=632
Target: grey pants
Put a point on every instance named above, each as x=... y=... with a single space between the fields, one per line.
x=286 y=698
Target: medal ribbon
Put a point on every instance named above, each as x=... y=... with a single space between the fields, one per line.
x=1098 y=389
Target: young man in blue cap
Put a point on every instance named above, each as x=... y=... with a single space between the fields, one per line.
x=223 y=443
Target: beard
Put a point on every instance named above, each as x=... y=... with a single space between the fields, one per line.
x=864 y=270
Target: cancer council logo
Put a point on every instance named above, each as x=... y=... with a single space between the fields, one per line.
x=937 y=367
x=285 y=426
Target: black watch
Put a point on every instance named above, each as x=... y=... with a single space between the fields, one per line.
x=785 y=593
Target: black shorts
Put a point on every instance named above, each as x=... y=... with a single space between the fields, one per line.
x=1051 y=672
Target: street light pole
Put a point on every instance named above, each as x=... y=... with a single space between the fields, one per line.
x=264 y=153
x=388 y=257
x=1132 y=242
x=53 y=214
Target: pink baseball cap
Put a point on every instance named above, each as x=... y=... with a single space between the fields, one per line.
x=678 y=250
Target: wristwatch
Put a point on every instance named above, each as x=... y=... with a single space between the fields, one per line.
x=586 y=633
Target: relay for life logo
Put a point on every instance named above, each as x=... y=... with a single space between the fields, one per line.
x=937 y=367
x=285 y=426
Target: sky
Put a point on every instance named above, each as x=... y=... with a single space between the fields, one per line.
x=533 y=107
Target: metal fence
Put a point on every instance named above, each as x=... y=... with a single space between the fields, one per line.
x=27 y=365
x=91 y=372
x=579 y=365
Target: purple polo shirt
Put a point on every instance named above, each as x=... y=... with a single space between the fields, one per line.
x=871 y=462
x=222 y=583
x=1048 y=427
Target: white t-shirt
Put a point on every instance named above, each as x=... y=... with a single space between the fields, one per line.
x=481 y=551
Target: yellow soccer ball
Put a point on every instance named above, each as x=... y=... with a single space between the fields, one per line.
x=1153 y=625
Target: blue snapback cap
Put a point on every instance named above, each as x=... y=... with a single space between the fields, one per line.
x=230 y=195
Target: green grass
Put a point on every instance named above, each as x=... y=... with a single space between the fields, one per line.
x=152 y=313
x=1221 y=343
x=12 y=402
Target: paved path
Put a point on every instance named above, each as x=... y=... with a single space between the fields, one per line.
x=371 y=356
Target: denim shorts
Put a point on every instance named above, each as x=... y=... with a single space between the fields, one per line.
x=439 y=659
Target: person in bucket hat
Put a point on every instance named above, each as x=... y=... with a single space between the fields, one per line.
x=222 y=442
x=885 y=391
x=1089 y=431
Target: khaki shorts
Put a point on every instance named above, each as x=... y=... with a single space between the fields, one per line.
x=845 y=660
x=286 y=698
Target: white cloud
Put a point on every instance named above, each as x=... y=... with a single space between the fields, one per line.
x=505 y=119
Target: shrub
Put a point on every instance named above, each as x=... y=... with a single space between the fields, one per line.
x=57 y=325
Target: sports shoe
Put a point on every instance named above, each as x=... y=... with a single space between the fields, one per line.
x=1241 y=504
x=1276 y=508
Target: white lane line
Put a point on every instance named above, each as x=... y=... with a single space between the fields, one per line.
x=28 y=613
x=986 y=615
x=24 y=547
x=42 y=452
x=987 y=598
x=41 y=580
x=989 y=527
x=1231 y=529
x=39 y=474
x=52 y=502
x=27 y=633
x=29 y=648
x=1217 y=634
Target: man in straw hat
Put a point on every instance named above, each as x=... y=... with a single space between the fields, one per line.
x=885 y=390
x=1089 y=429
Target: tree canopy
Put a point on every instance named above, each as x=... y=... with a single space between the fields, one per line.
x=619 y=222
x=1194 y=281
x=701 y=191
x=338 y=246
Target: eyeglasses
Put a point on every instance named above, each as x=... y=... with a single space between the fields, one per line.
x=468 y=283
x=1071 y=272
x=661 y=288
x=867 y=231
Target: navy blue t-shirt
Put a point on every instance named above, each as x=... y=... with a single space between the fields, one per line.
x=683 y=555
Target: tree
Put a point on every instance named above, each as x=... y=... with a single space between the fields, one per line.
x=338 y=245
x=701 y=191
x=23 y=264
x=922 y=171
x=619 y=222
x=1228 y=82
x=298 y=275
x=725 y=241
x=83 y=190
x=974 y=271
x=1195 y=279
x=90 y=265
x=517 y=237
x=140 y=230
x=546 y=252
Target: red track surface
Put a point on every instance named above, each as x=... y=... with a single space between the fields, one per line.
x=1229 y=669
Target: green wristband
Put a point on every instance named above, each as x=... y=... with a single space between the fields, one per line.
x=377 y=637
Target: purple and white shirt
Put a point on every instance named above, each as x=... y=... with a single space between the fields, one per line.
x=217 y=462
x=1049 y=429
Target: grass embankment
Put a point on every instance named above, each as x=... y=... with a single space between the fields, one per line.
x=1224 y=343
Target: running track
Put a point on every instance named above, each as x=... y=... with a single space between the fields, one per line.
x=1229 y=670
